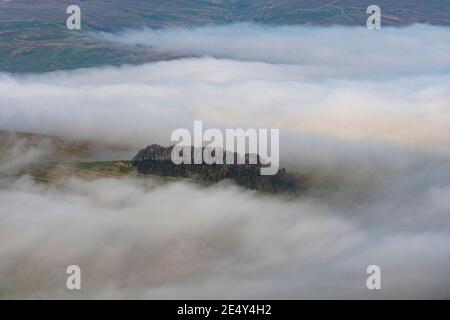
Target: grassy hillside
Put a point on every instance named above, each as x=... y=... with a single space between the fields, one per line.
x=34 y=38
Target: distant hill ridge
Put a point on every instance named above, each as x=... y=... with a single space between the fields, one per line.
x=34 y=37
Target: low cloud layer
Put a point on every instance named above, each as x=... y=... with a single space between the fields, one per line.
x=144 y=240
x=364 y=114
x=142 y=104
x=345 y=82
x=325 y=51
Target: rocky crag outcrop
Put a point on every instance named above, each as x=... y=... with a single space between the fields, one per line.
x=156 y=160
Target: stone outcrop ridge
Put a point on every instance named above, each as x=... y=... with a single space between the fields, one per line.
x=156 y=160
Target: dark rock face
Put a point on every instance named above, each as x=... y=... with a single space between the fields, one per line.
x=154 y=152
x=157 y=160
